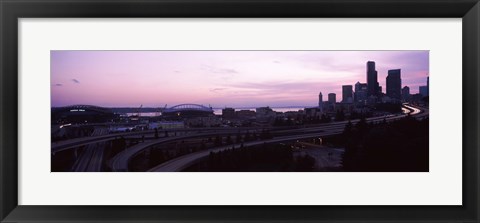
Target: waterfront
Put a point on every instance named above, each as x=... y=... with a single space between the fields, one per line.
x=218 y=111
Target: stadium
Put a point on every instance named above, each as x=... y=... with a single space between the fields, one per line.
x=76 y=114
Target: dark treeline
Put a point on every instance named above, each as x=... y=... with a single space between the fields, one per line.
x=261 y=158
x=301 y=120
x=71 y=133
x=399 y=146
x=389 y=107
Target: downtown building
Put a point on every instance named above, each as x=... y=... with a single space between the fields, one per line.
x=320 y=102
x=329 y=105
x=424 y=90
x=373 y=88
x=394 y=85
x=265 y=114
x=332 y=98
x=347 y=94
x=405 y=94
x=361 y=92
x=228 y=113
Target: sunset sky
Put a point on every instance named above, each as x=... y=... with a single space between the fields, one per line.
x=220 y=78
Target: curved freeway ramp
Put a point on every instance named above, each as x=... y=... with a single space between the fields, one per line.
x=77 y=142
x=180 y=163
x=185 y=161
x=120 y=161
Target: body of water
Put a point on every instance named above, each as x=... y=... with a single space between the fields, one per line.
x=218 y=111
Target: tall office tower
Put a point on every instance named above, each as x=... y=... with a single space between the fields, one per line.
x=320 y=101
x=347 y=93
x=405 y=93
x=360 y=92
x=394 y=84
x=332 y=98
x=423 y=90
x=372 y=79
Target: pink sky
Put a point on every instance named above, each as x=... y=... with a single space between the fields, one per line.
x=220 y=78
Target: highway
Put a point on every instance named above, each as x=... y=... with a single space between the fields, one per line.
x=120 y=161
x=90 y=160
x=74 y=143
x=92 y=157
x=77 y=142
x=185 y=161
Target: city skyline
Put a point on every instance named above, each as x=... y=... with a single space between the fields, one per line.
x=221 y=78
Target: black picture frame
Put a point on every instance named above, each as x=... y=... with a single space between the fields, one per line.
x=12 y=10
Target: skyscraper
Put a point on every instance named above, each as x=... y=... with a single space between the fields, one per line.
x=360 y=94
x=372 y=79
x=423 y=90
x=347 y=93
x=394 y=84
x=320 y=101
x=332 y=98
x=405 y=93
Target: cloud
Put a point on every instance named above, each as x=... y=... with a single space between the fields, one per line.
x=217 y=90
x=276 y=61
x=224 y=74
x=219 y=70
x=75 y=81
x=283 y=85
x=285 y=90
x=228 y=71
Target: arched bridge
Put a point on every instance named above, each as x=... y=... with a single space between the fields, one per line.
x=188 y=107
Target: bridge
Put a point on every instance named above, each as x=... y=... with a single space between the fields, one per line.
x=187 y=107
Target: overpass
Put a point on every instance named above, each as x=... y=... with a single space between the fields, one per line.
x=120 y=161
x=74 y=143
x=185 y=161
x=77 y=142
x=180 y=163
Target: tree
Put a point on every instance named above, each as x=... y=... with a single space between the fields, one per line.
x=218 y=140
x=229 y=139
x=347 y=131
x=238 y=138
x=339 y=116
x=325 y=119
x=362 y=125
x=247 y=136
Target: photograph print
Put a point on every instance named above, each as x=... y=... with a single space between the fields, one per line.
x=239 y=111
